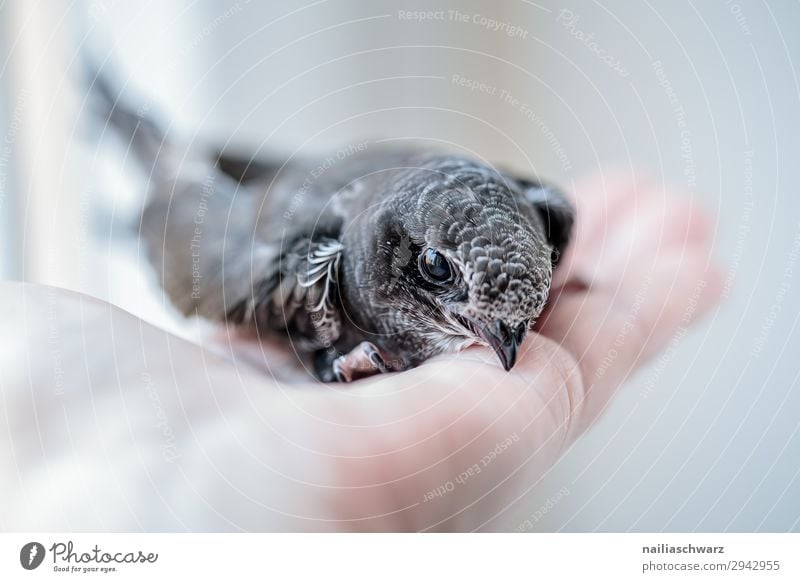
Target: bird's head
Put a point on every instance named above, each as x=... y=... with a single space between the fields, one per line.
x=464 y=255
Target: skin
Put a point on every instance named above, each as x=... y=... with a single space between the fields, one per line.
x=113 y=424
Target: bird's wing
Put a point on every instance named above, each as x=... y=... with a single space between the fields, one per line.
x=300 y=297
x=197 y=232
x=224 y=253
x=244 y=169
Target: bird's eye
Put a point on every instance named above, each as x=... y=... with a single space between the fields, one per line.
x=434 y=267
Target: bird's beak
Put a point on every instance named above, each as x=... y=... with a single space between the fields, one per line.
x=504 y=341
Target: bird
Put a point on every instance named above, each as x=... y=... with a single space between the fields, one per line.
x=367 y=261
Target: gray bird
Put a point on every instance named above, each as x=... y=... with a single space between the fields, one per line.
x=368 y=261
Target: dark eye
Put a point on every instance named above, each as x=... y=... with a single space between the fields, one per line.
x=434 y=267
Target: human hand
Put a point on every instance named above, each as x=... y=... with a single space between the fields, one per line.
x=118 y=425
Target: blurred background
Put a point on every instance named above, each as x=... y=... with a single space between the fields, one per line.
x=703 y=96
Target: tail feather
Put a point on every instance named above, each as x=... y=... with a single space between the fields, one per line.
x=139 y=126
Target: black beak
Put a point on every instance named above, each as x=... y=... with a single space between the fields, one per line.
x=504 y=341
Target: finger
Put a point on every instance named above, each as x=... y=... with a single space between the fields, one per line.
x=611 y=334
x=602 y=200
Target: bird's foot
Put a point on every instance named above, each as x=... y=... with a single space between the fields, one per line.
x=362 y=361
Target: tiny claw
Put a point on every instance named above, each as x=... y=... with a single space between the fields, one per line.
x=362 y=361
x=377 y=360
x=339 y=371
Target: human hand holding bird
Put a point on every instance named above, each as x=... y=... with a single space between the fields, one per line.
x=260 y=445
x=251 y=452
